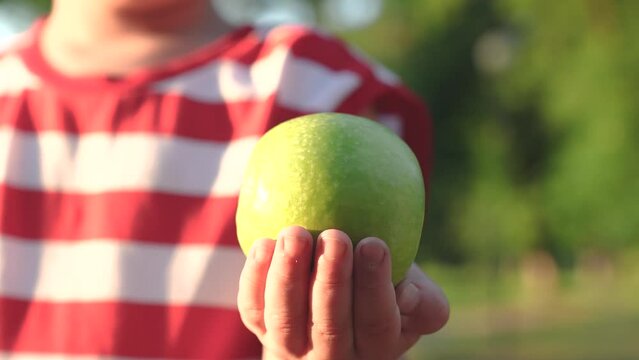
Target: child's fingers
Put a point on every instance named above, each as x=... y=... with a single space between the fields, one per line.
x=250 y=297
x=331 y=294
x=376 y=315
x=286 y=293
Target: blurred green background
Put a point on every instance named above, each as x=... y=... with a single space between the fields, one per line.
x=533 y=224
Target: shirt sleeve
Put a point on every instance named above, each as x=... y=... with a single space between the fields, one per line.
x=377 y=93
x=403 y=112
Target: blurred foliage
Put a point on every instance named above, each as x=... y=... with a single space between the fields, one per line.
x=38 y=5
x=535 y=113
x=535 y=117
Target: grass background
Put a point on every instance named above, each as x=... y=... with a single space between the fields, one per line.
x=534 y=312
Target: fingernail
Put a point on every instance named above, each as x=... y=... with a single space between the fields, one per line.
x=373 y=255
x=295 y=245
x=335 y=249
x=257 y=253
x=408 y=298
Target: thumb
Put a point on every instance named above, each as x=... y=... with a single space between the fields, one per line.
x=422 y=304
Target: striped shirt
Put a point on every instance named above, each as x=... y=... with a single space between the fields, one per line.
x=118 y=196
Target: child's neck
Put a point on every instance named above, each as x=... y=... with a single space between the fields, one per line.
x=116 y=37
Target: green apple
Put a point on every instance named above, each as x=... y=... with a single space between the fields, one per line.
x=334 y=171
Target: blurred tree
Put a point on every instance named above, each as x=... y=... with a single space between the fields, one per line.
x=533 y=102
x=578 y=63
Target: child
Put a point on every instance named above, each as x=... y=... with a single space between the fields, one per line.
x=124 y=128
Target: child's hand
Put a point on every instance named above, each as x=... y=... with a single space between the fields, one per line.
x=346 y=308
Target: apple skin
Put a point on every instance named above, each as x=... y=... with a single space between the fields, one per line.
x=334 y=171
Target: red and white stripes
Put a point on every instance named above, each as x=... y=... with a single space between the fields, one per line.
x=106 y=270
x=98 y=163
